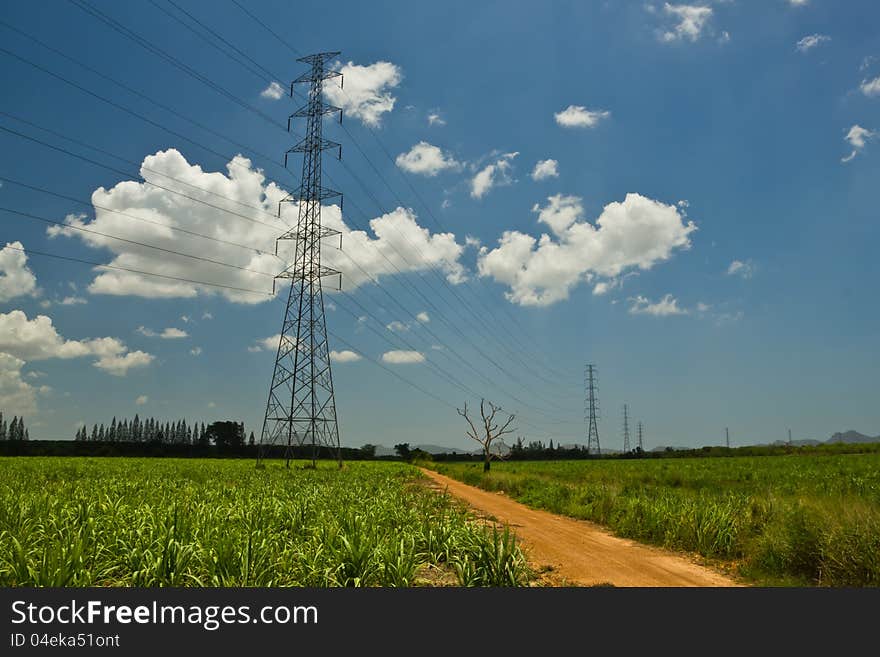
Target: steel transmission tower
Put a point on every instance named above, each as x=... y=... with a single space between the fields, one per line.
x=301 y=408
x=625 y=429
x=641 y=442
x=591 y=410
x=727 y=436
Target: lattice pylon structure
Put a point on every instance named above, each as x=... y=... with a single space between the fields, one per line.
x=301 y=409
x=641 y=441
x=625 y=428
x=591 y=409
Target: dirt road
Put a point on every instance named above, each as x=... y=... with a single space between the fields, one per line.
x=581 y=553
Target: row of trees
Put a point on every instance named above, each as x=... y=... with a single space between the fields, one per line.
x=536 y=449
x=150 y=430
x=14 y=430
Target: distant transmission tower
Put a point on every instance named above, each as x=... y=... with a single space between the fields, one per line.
x=727 y=436
x=641 y=442
x=625 y=429
x=789 y=436
x=591 y=410
x=301 y=408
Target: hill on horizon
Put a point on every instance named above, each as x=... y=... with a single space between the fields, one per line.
x=852 y=437
x=849 y=436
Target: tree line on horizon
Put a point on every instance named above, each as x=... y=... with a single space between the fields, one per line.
x=152 y=431
x=14 y=430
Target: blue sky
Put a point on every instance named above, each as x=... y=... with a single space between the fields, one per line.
x=704 y=187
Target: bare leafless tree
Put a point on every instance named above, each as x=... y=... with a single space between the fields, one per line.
x=491 y=429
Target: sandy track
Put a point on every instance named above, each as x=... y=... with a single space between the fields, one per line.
x=581 y=553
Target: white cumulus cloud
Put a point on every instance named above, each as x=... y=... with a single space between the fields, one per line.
x=170 y=333
x=366 y=93
x=17 y=396
x=870 y=87
x=266 y=344
x=638 y=232
x=37 y=339
x=141 y=400
x=398 y=357
x=578 y=116
x=16 y=279
x=545 y=169
x=397 y=327
x=390 y=243
x=493 y=175
x=857 y=137
x=811 y=41
x=743 y=269
x=427 y=160
x=274 y=91
x=435 y=119
x=689 y=22
x=423 y=317
x=344 y=356
x=668 y=305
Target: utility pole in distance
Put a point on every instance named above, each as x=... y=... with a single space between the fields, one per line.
x=727 y=435
x=625 y=429
x=591 y=410
x=641 y=443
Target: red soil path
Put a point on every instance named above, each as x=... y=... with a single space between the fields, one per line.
x=580 y=553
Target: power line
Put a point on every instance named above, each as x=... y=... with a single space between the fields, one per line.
x=140 y=165
x=134 y=271
x=128 y=241
x=130 y=175
x=407 y=343
x=415 y=318
x=134 y=217
x=110 y=102
x=345 y=343
x=267 y=28
x=435 y=367
x=145 y=43
x=458 y=311
x=208 y=41
x=153 y=101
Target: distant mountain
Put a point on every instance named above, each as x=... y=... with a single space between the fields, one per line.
x=839 y=437
x=797 y=443
x=439 y=449
x=382 y=450
x=852 y=437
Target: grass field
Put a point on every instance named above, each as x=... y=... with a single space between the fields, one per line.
x=784 y=520
x=190 y=522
